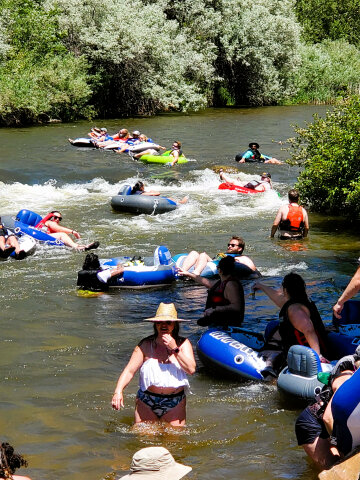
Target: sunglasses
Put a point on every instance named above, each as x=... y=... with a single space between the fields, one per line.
x=167 y=323
x=55 y=217
x=233 y=244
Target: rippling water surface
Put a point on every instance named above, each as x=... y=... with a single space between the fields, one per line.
x=61 y=354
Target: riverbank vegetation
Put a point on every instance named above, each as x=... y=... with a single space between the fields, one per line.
x=67 y=59
x=329 y=150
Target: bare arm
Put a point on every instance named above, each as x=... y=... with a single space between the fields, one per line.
x=117 y=270
x=300 y=319
x=275 y=296
x=185 y=356
x=246 y=261
x=276 y=222
x=151 y=193
x=197 y=278
x=306 y=222
x=55 y=227
x=351 y=290
x=175 y=155
x=327 y=417
x=135 y=362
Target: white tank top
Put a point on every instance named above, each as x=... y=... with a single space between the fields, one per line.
x=153 y=373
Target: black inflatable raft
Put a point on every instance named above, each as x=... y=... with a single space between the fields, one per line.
x=137 y=204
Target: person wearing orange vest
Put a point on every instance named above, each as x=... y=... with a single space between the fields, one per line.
x=291 y=220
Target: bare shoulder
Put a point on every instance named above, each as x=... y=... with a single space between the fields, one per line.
x=298 y=308
x=246 y=261
x=144 y=345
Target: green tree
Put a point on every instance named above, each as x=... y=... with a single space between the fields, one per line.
x=329 y=71
x=329 y=19
x=39 y=79
x=329 y=150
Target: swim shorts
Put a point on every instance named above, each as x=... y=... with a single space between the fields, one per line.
x=309 y=427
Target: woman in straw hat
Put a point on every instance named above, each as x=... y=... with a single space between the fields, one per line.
x=163 y=359
x=156 y=463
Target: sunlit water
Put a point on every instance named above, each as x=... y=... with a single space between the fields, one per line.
x=61 y=354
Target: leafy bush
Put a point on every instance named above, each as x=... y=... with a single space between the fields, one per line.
x=329 y=150
x=329 y=70
x=39 y=79
x=329 y=19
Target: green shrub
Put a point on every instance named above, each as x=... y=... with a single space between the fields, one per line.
x=329 y=150
x=329 y=70
x=31 y=92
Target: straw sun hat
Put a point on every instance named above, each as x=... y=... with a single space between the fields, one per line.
x=164 y=313
x=155 y=463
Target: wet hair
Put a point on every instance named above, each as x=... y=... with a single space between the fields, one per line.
x=91 y=262
x=240 y=240
x=254 y=143
x=137 y=187
x=10 y=460
x=178 y=143
x=295 y=287
x=293 y=196
x=227 y=265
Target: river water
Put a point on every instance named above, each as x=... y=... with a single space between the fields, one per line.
x=62 y=354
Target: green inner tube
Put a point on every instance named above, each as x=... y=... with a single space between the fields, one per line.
x=164 y=158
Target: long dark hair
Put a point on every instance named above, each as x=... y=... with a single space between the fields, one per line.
x=10 y=460
x=295 y=287
x=91 y=262
x=175 y=334
x=227 y=265
x=137 y=187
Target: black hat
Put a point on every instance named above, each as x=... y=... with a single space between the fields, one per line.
x=266 y=175
x=254 y=143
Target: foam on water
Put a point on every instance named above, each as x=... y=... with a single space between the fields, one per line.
x=284 y=268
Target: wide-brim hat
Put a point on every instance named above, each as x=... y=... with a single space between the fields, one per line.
x=155 y=463
x=266 y=175
x=164 y=313
x=254 y=143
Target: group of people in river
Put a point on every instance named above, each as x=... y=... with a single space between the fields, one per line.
x=165 y=359
x=134 y=143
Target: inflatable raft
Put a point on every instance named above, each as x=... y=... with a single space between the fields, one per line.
x=242 y=271
x=27 y=247
x=24 y=222
x=156 y=271
x=137 y=148
x=164 y=158
x=345 y=336
x=82 y=142
x=238 y=188
x=124 y=202
x=299 y=378
x=234 y=352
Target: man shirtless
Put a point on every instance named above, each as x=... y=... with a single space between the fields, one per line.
x=235 y=248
